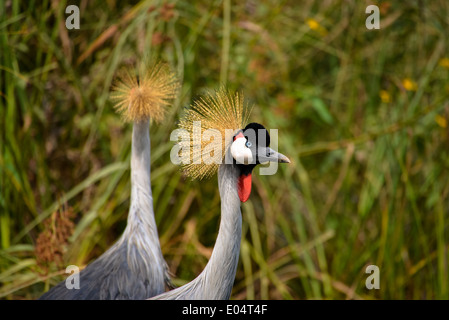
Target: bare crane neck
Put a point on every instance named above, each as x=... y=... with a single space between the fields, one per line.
x=217 y=279
x=141 y=206
x=141 y=239
x=219 y=273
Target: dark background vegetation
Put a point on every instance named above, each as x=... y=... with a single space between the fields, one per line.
x=362 y=114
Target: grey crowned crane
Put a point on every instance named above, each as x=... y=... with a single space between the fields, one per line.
x=236 y=154
x=134 y=267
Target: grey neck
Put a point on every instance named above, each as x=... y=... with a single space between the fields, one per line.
x=217 y=279
x=219 y=273
x=141 y=177
x=141 y=214
x=141 y=239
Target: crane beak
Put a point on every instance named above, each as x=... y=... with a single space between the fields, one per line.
x=269 y=155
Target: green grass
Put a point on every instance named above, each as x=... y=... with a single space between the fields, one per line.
x=368 y=179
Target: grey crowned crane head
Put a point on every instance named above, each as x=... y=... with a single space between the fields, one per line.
x=222 y=116
x=250 y=147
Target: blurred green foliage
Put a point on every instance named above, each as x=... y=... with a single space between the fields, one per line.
x=361 y=113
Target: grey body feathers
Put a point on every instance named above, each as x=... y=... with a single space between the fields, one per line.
x=110 y=277
x=133 y=268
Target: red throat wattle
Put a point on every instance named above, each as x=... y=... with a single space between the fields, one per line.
x=244 y=187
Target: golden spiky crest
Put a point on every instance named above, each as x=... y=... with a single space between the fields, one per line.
x=222 y=112
x=144 y=94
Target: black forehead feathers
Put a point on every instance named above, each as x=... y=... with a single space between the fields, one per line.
x=256 y=130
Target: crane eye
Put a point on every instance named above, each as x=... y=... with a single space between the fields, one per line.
x=248 y=144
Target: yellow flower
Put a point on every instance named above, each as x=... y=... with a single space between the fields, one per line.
x=444 y=63
x=409 y=84
x=441 y=121
x=316 y=26
x=385 y=96
x=313 y=24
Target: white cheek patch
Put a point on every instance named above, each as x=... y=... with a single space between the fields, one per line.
x=240 y=152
